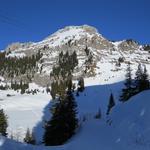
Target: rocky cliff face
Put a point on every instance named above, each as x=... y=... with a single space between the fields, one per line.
x=87 y=43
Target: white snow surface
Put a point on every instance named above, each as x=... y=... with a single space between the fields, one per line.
x=17 y=55
x=64 y=35
x=126 y=128
x=23 y=111
x=1 y=78
x=116 y=44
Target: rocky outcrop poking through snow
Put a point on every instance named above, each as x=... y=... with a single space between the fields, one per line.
x=91 y=47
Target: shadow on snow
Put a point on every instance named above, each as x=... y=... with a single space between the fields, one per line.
x=93 y=98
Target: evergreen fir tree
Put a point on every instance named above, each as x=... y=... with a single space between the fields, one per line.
x=3 y=123
x=29 y=137
x=127 y=92
x=54 y=127
x=144 y=84
x=69 y=84
x=141 y=79
x=81 y=84
x=141 y=82
x=138 y=78
x=75 y=59
x=63 y=122
x=128 y=76
x=111 y=103
x=72 y=111
x=53 y=90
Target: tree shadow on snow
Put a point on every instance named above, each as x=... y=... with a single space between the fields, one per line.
x=93 y=98
x=38 y=130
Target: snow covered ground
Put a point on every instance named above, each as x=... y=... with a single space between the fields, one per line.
x=23 y=111
x=126 y=128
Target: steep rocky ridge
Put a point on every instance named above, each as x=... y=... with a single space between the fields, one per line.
x=79 y=39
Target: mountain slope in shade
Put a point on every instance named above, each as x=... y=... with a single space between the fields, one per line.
x=127 y=127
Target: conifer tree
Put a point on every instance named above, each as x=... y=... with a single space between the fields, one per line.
x=141 y=79
x=54 y=127
x=144 y=84
x=29 y=137
x=72 y=111
x=81 y=84
x=128 y=76
x=111 y=103
x=3 y=123
x=127 y=92
x=75 y=60
x=53 y=89
x=138 y=78
x=141 y=82
x=63 y=122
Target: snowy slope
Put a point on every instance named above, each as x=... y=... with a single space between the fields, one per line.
x=6 y=144
x=64 y=35
x=129 y=129
x=30 y=110
x=23 y=111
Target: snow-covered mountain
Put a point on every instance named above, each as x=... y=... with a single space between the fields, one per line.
x=126 y=128
x=81 y=39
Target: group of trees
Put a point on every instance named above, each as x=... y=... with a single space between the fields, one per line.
x=59 y=86
x=23 y=86
x=29 y=137
x=4 y=87
x=66 y=64
x=136 y=85
x=62 y=74
x=13 y=66
x=19 y=85
x=63 y=122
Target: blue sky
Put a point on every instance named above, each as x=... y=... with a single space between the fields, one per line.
x=33 y=20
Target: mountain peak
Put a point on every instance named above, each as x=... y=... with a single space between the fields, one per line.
x=68 y=33
x=88 y=44
x=81 y=28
